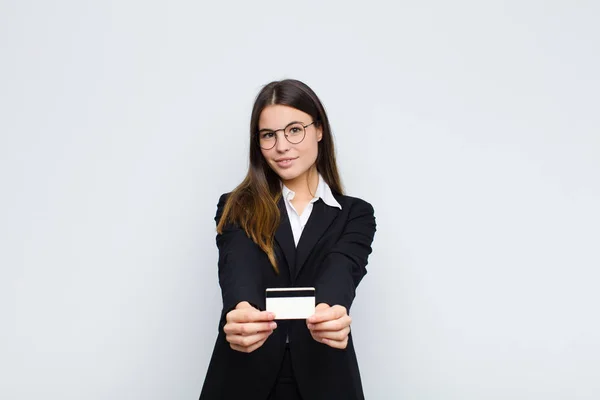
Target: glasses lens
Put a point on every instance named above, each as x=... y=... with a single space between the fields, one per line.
x=294 y=133
x=267 y=140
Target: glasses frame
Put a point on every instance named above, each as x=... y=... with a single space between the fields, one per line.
x=286 y=136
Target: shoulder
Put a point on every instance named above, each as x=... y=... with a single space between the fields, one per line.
x=221 y=206
x=354 y=204
x=223 y=199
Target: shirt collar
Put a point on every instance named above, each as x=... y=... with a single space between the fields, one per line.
x=323 y=192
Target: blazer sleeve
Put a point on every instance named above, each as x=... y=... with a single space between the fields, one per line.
x=344 y=266
x=238 y=254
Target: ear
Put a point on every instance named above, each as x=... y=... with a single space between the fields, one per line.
x=319 y=134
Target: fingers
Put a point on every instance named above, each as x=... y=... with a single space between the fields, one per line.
x=337 y=339
x=247 y=341
x=332 y=335
x=249 y=314
x=249 y=349
x=327 y=314
x=248 y=344
x=330 y=325
x=333 y=325
x=248 y=328
x=335 y=344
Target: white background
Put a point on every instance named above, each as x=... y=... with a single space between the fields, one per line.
x=472 y=127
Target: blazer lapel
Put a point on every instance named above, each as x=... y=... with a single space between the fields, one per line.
x=285 y=237
x=319 y=221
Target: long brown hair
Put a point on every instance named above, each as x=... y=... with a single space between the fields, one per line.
x=253 y=204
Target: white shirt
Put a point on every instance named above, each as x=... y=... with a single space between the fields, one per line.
x=299 y=221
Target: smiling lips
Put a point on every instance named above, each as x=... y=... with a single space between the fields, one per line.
x=285 y=162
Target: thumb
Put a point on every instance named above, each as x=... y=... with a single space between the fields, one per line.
x=318 y=309
x=242 y=305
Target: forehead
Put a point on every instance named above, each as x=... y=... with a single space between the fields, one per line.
x=278 y=116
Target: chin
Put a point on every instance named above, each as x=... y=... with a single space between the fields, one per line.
x=286 y=174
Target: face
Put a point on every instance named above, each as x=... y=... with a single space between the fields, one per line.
x=289 y=161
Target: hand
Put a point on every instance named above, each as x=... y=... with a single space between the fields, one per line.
x=330 y=325
x=248 y=328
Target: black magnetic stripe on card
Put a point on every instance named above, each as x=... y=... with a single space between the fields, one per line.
x=290 y=293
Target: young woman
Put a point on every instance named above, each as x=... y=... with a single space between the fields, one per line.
x=288 y=224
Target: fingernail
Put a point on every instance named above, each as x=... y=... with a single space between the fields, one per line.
x=310 y=326
x=273 y=325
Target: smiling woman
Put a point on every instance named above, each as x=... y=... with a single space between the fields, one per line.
x=294 y=158
x=288 y=224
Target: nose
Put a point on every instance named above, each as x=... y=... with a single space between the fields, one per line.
x=282 y=144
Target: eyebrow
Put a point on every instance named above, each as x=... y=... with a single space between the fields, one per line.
x=271 y=130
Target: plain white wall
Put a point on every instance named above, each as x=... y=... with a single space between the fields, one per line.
x=472 y=127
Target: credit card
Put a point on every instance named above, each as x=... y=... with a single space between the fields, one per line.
x=291 y=303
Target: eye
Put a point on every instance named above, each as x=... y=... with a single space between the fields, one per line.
x=266 y=135
x=294 y=130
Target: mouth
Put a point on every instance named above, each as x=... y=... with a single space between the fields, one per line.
x=285 y=162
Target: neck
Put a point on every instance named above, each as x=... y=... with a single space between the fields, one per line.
x=305 y=186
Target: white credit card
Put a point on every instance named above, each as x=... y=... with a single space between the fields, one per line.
x=291 y=303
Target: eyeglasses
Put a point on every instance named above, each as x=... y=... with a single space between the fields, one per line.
x=294 y=132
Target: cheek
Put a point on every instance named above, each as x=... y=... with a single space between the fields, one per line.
x=311 y=149
x=268 y=158
x=265 y=154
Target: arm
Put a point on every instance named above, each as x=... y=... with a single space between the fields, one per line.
x=237 y=254
x=246 y=328
x=341 y=271
x=344 y=266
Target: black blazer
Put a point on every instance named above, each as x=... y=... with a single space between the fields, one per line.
x=331 y=256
